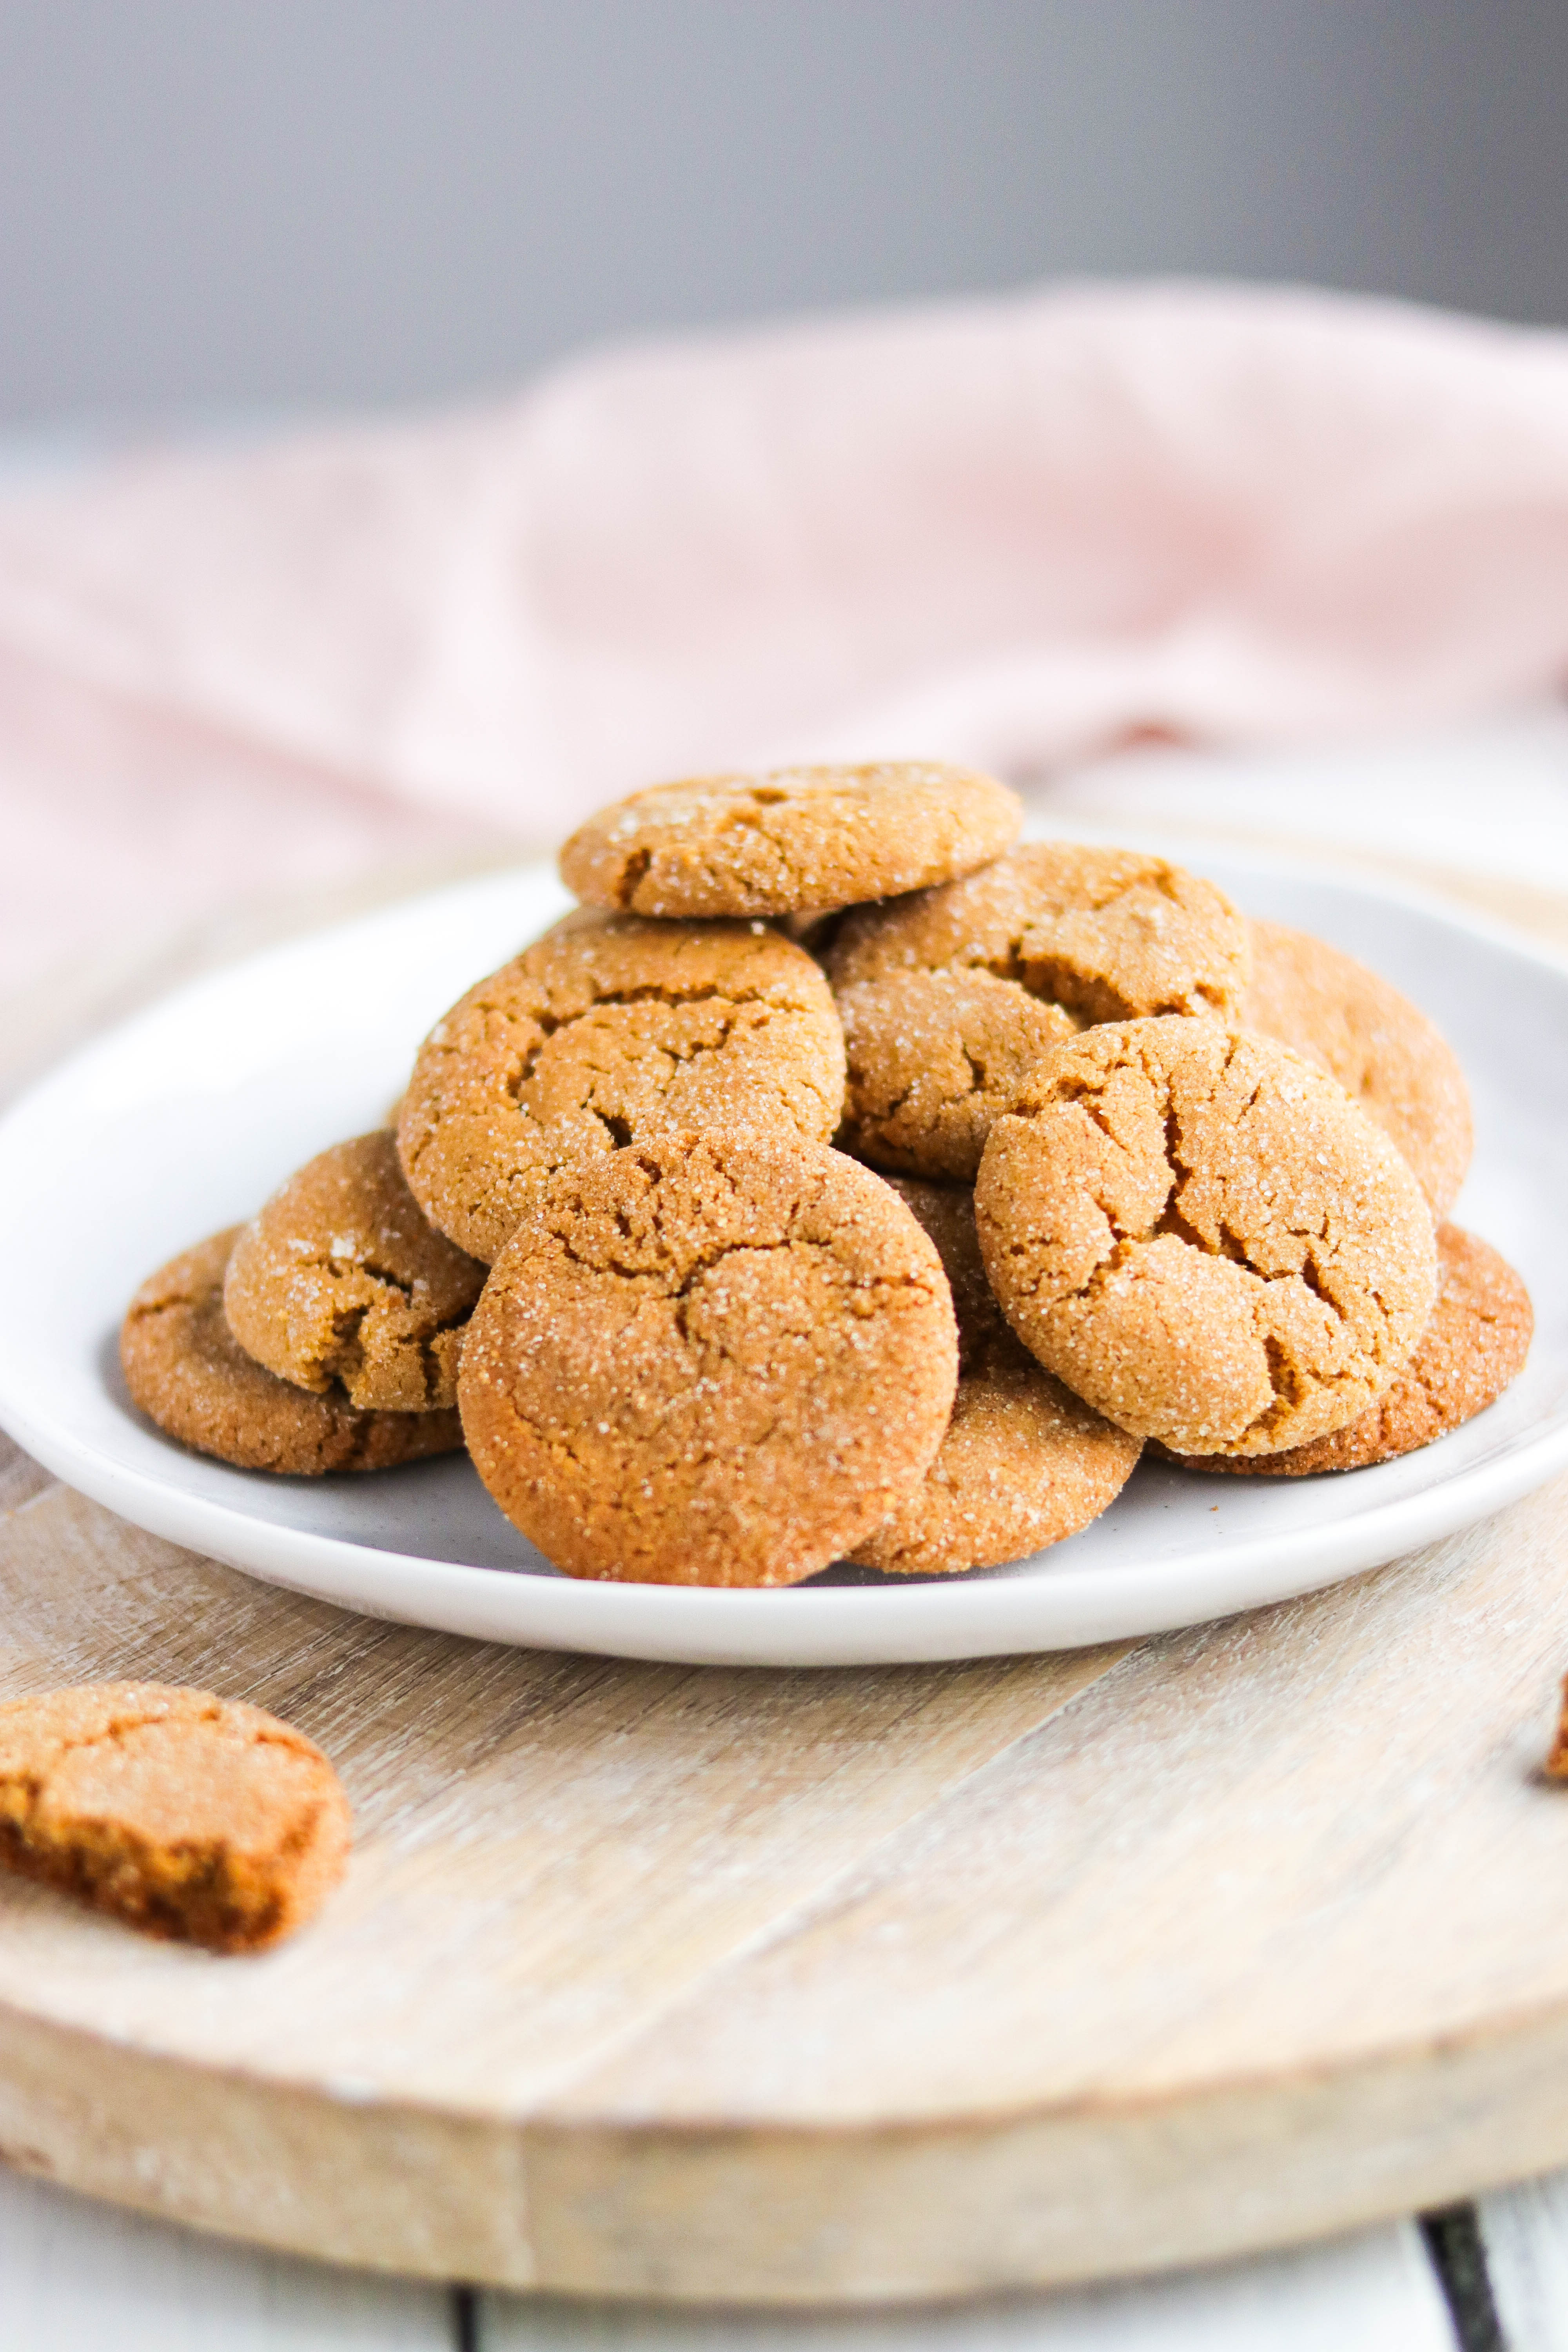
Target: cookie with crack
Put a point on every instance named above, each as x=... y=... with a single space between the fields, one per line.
x=791 y=839
x=193 y=1818
x=1023 y=1462
x=709 y=1360
x=343 y=1279
x=1384 y=1052
x=606 y=1030
x=950 y=998
x=1474 y=1346
x=188 y=1373
x=1203 y=1236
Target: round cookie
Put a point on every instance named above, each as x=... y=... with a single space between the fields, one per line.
x=1384 y=1053
x=951 y=997
x=709 y=1360
x=186 y=1369
x=607 y=1030
x=1474 y=1346
x=341 y=1278
x=792 y=839
x=931 y=1058
x=1023 y=1462
x=1205 y=1237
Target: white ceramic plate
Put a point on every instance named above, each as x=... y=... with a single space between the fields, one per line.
x=186 y=1118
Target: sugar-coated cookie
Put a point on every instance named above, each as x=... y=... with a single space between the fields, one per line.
x=950 y=997
x=709 y=1360
x=343 y=1279
x=1203 y=1236
x=1474 y=1346
x=605 y=1030
x=187 y=1370
x=190 y=1817
x=933 y=1057
x=1384 y=1052
x=1024 y=1462
x=792 y=839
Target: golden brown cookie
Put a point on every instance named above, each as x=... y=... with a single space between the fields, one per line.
x=341 y=1278
x=707 y=1361
x=949 y=998
x=933 y=1057
x=187 y=1370
x=1023 y=1462
x=1384 y=1053
x=603 y=1031
x=1474 y=1346
x=793 y=838
x=190 y=1817
x=1205 y=1237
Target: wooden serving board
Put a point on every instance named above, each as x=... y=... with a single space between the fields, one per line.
x=834 y=1985
x=831 y=1986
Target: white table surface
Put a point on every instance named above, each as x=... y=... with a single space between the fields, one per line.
x=75 y=2275
x=80 y=2277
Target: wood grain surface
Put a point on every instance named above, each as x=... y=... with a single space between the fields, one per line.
x=838 y=1986
x=920 y=1981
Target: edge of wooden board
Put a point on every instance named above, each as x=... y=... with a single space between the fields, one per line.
x=914 y=2212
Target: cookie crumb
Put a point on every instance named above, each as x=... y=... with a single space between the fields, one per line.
x=1557 y=1765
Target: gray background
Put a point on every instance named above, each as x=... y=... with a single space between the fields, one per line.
x=206 y=204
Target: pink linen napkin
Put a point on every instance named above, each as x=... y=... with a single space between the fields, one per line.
x=1011 y=532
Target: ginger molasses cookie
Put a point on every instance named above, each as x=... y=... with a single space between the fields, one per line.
x=931 y=1058
x=950 y=997
x=342 y=1278
x=187 y=1370
x=795 y=838
x=1023 y=1462
x=605 y=1029
x=709 y=1360
x=190 y=1817
x=1205 y=1237
x=1474 y=1346
x=1384 y=1053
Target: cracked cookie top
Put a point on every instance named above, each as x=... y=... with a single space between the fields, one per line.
x=949 y=998
x=709 y=1360
x=185 y=1368
x=1475 y=1344
x=341 y=1278
x=604 y=1031
x=1383 y=1051
x=792 y=839
x=1205 y=1237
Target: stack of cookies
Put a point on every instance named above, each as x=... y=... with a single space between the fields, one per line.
x=842 y=1181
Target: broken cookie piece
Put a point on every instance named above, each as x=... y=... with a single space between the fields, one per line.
x=197 y=1819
